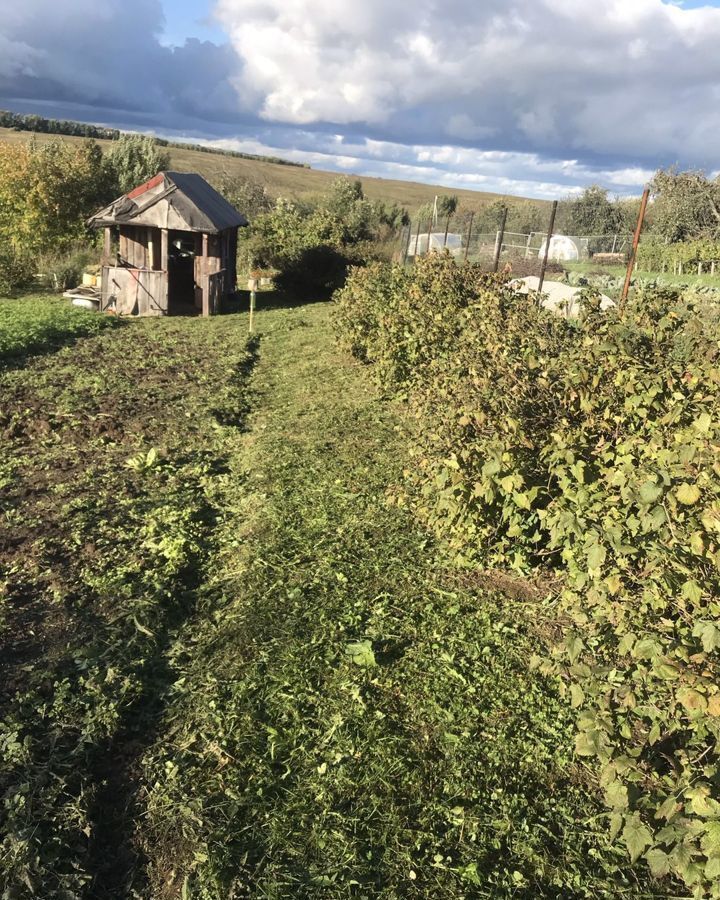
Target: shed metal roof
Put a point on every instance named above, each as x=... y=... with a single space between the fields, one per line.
x=183 y=201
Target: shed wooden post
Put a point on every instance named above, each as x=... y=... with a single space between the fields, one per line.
x=107 y=245
x=164 y=242
x=205 y=283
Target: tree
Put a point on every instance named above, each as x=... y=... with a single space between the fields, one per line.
x=47 y=193
x=593 y=213
x=686 y=205
x=133 y=159
x=247 y=195
x=447 y=206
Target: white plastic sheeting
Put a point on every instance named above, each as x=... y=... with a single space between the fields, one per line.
x=437 y=242
x=564 y=248
x=558 y=298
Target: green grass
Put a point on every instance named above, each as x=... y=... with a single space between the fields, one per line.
x=37 y=324
x=665 y=278
x=239 y=668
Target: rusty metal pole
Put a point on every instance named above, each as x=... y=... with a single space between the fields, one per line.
x=469 y=234
x=547 y=246
x=633 y=252
x=447 y=230
x=500 y=239
x=430 y=225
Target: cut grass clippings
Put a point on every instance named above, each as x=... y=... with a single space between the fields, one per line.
x=240 y=667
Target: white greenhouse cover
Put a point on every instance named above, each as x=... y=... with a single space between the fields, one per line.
x=562 y=249
x=437 y=242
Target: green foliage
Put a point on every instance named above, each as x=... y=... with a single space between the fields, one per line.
x=236 y=667
x=247 y=195
x=312 y=246
x=133 y=159
x=46 y=194
x=686 y=206
x=34 y=325
x=590 y=449
x=659 y=256
x=16 y=271
x=593 y=213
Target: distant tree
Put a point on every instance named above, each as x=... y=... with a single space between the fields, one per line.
x=593 y=213
x=47 y=192
x=686 y=205
x=133 y=159
x=247 y=195
x=447 y=206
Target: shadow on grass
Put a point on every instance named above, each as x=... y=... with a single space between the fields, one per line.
x=268 y=300
x=115 y=863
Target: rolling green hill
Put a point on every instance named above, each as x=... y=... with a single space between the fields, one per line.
x=297 y=182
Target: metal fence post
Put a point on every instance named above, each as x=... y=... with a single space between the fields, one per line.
x=547 y=246
x=500 y=238
x=469 y=234
x=633 y=252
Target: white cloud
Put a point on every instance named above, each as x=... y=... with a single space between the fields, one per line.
x=531 y=96
x=627 y=77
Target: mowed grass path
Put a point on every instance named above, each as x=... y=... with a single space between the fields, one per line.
x=322 y=709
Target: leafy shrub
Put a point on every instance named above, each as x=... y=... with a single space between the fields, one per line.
x=589 y=448
x=65 y=270
x=16 y=272
x=47 y=192
x=313 y=245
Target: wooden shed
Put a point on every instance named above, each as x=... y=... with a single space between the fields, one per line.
x=170 y=247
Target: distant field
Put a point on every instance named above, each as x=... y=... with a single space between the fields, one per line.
x=292 y=181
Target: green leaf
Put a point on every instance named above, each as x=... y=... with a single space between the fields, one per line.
x=688 y=494
x=637 y=837
x=597 y=555
x=362 y=654
x=593 y=742
x=712 y=869
x=575 y=647
x=578 y=696
x=659 y=863
x=616 y=796
x=650 y=492
x=709 y=634
x=711 y=839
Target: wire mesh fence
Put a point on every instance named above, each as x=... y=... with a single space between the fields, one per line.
x=460 y=240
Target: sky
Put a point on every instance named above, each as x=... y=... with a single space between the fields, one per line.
x=539 y=98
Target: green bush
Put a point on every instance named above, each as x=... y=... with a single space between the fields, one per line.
x=312 y=245
x=588 y=449
x=16 y=272
x=61 y=271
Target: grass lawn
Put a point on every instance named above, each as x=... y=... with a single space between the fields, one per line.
x=232 y=664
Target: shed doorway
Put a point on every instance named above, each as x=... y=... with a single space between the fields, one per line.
x=182 y=249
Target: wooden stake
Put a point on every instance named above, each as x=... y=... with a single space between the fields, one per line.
x=500 y=239
x=469 y=234
x=417 y=240
x=548 y=241
x=252 y=309
x=447 y=229
x=429 y=233
x=633 y=252
x=406 y=246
